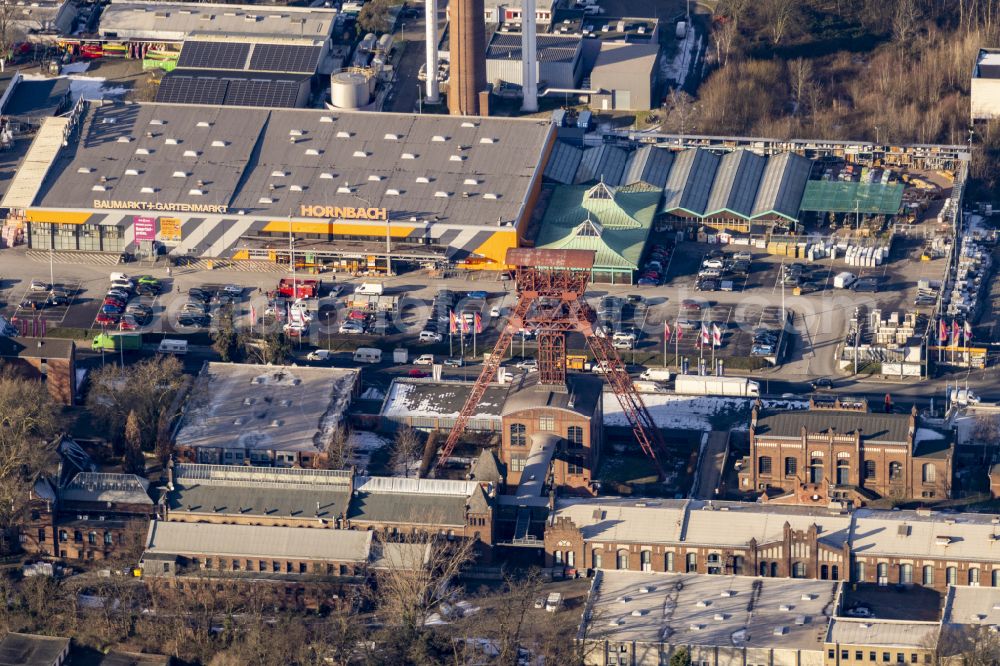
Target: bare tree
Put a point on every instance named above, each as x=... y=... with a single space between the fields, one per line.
x=148 y=388
x=905 y=21
x=417 y=578
x=966 y=644
x=726 y=37
x=781 y=16
x=29 y=422
x=405 y=448
x=11 y=30
x=340 y=449
x=680 y=113
x=800 y=72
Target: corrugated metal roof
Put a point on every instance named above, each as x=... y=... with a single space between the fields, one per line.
x=690 y=181
x=280 y=501
x=972 y=605
x=395 y=484
x=874 y=427
x=550 y=48
x=649 y=165
x=604 y=162
x=407 y=508
x=251 y=541
x=32 y=650
x=735 y=187
x=563 y=163
x=782 y=186
x=882 y=633
x=30 y=175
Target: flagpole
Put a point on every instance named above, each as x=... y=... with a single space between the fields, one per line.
x=664 y=344
x=677 y=347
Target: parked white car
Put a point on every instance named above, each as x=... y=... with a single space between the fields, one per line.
x=319 y=355
x=424 y=359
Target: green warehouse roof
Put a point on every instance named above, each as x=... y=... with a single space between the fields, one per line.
x=615 y=223
x=839 y=197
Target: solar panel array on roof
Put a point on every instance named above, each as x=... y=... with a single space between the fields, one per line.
x=214 y=55
x=229 y=89
x=272 y=93
x=192 y=90
x=285 y=58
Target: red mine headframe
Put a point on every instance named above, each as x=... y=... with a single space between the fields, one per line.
x=550 y=288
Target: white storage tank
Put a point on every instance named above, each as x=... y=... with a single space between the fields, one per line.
x=349 y=90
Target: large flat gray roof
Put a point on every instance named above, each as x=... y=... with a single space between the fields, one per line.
x=176 y=21
x=710 y=610
x=883 y=633
x=874 y=427
x=264 y=407
x=252 y=541
x=462 y=170
x=550 y=48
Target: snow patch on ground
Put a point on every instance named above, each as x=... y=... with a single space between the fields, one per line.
x=372 y=394
x=684 y=412
x=92 y=88
x=677 y=69
x=78 y=67
x=363 y=440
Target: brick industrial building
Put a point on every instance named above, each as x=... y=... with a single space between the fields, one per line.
x=839 y=451
x=52 y=360
x=684 y=536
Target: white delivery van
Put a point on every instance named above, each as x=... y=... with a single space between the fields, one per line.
x=178 y=347
x=117 y=277
x=367 y=355
x=553 y=602
x=656 y=375
x=369 y=289
x=844 y=280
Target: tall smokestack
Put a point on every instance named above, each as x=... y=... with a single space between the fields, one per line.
x=529 y=42
x=468 y=57
x=431 y=34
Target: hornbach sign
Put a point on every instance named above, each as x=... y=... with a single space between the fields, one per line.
x=342 y=213
x=112 y=204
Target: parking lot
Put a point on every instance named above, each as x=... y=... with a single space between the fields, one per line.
x=28 y=304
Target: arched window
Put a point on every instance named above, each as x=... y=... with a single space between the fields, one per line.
x=774 y=569
x=869 y=470
x=692 y=563
x=906 y=574
x=714 y=563
x=816 y=470
x=996 y=578
x=882 y=573
x=895 y=471
x=670 y=560
x=763 y=568
x=835 y=572
x=517 y=434
x=646 y=560
x=791 y=466
x=824 y=572
x=597 y=559
x=622 y=562
x=558 y=557
x=764 y=465
x=799 y=570
x=859 y=572
x=929 y=473
x=571 y=558
x=574 y=435
x=929 y=576
x=974 y=577
x=951 y=576
x=738 y=565
x=843 y=472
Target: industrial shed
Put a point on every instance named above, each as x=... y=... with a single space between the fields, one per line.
x=558 y=60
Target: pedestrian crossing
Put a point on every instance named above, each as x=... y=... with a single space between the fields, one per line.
x=194 y=265
x=79 y=258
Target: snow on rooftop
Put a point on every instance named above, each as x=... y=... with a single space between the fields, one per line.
x=684 y=412
x=438 y=400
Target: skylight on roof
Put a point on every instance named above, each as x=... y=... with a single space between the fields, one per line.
x=296 y=132
x=98 y=188
x=84 y=170
x=196 y=192
x=190 y=153
x=374 y=177
x=326 y=175
x=438 y=138
x=423 y=179
x=203 y=123
x=468 y=123
x=360 y=153
x=142 y=151
x=441 y=194
x=172 y=141
x=278 y=174
x=265 y=200
x=344 y=189
x=180 y=174
x=456 y=158
x=392 y=192
x=470 y=181
x=389 y=136
x=124 y=139
x=408 y=156
x=326 y=119
x=487 y=139
x=296 y=188
x=218 y=143
x=343 y=134
x=314 y=152
x=131 y=172
x=148 y=190
x=491 y=195
x=157 y=121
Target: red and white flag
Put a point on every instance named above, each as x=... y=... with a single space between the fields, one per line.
x=716 y=336
x=968 y=332
x=452 y=324
x=680 y=332
x=704 y=335
x=666 y=331
x=942 y=331
x=478 y=320
x=253 y=313
x=955 y=332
